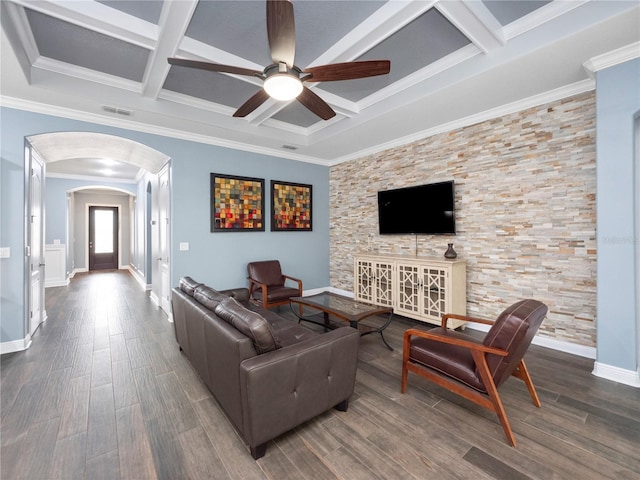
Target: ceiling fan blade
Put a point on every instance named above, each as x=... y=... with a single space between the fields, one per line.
x=347 y=71
x=317 y=105
x=281 y=29
x=250 y=105
x=214 y=67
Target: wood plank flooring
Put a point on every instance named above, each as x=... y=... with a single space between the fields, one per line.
x=104 y=392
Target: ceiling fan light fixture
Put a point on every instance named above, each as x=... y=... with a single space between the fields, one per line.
x=283 y=86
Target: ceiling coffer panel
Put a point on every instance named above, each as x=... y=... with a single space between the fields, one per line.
x=239 y=27
x=296 y=114
x=148 y=10
x=211 y=86
x=425 y=40
x=507 y=12
x=79 y=46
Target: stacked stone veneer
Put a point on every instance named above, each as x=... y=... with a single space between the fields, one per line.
x=525 y=188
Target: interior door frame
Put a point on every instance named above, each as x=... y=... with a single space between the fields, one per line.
x=86 y=231
x=30 y=157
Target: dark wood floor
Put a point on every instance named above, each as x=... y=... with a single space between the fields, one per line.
x=104 y=392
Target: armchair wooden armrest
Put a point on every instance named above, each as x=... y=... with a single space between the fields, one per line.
x=465 y=318
x=297 y=280
x=443 y=337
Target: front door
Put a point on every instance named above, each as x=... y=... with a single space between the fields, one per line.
x=103 y=238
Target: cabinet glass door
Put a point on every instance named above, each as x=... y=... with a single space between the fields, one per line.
x=408 y=288
x=364 y=281
x=434 y=288
x=384 y=284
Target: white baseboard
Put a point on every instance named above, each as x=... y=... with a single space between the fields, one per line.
x=617 y=374
x=57 y=283
x=554 y=344
x=138 y=277
x=15 y=345
x=78 y=270
x=154 y=298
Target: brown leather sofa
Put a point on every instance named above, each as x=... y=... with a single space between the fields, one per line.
x=268 y=373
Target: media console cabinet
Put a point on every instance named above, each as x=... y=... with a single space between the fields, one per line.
x=422 y=288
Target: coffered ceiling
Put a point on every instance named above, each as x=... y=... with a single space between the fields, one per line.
x=452 y=61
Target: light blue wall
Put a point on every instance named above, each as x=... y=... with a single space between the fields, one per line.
x=617 y=100
x=217 y=259
x=12 y=227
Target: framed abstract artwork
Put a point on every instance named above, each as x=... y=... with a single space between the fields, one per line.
x=290 y=206
x=237 y=203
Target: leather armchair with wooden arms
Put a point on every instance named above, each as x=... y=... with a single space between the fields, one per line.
x=472 y=368
x=267 y=284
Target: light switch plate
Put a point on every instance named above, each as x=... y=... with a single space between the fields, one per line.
x=5 y=252
x=184 y=246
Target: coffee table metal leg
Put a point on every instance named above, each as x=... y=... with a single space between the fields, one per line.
x=378 y=330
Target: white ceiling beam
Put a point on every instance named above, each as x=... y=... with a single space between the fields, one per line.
x=174 y=20
x=20 y=36
x=540 y=16
x=475 y=22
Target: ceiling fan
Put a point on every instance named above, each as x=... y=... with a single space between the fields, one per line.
x=283 y=80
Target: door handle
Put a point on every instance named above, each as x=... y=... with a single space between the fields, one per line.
x=159 y=259
x=42 y=264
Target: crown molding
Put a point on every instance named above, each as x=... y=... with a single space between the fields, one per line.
x=91 y=178
x=612 y=58
x=57 y=111
x=523 y=104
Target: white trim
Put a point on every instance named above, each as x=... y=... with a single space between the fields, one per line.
x=154 y=298
x=78 y=270
x=514 y=107
x=63 y=112
x=552 y=343
x=59 y=283
x=612 y=58
x=617 y=374
x=138 y=277
x=90 y=178
x=15 y=345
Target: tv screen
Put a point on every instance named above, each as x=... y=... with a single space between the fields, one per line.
x=424 y=209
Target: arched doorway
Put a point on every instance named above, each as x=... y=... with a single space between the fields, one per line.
x=54 y=147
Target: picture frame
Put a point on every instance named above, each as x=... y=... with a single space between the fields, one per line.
x=291 y=206
x=237 y=203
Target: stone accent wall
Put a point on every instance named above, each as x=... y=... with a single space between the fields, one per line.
x=525 y=189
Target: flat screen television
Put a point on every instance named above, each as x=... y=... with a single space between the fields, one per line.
x=423 y=209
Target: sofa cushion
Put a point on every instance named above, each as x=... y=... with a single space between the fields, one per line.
x=249 y=323
x=208 y=297
x=188 y=285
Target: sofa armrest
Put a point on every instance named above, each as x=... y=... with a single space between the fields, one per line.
x=286 y=387
x=240 y=294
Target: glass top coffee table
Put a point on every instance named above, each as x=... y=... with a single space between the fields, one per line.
x=348 y=310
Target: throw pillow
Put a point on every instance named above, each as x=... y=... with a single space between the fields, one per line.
x=249 y=323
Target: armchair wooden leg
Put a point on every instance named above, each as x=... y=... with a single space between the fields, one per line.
x=405 y=360
x=494 y=396
x=523 y=374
